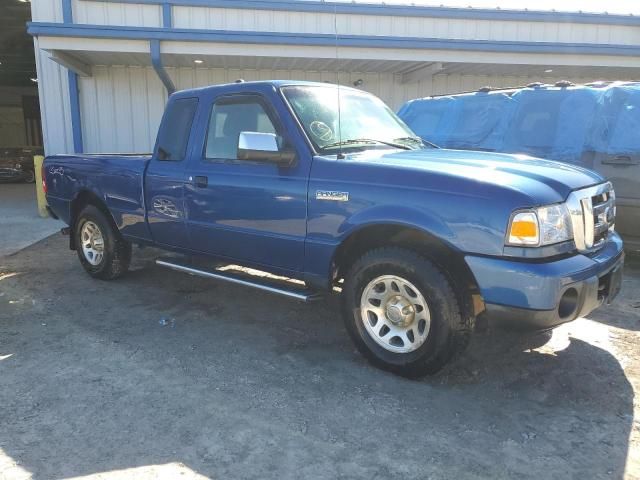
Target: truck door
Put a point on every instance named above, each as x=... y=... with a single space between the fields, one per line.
x=618 y=159
x=165 y=177
x=251 y=211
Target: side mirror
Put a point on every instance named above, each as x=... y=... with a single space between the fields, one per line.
x=263 y=147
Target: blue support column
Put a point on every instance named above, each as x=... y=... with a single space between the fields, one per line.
x=67 y=14
x=74 y=101
x=167 y=19
x=156 y=61
x=74 y=93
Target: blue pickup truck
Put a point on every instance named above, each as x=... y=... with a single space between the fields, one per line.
x=326 y=190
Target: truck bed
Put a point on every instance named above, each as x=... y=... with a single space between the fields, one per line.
x=117 y=179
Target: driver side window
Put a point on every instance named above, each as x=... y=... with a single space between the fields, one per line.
x=231 y=116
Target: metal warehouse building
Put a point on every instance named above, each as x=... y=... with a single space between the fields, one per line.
x=105 y=67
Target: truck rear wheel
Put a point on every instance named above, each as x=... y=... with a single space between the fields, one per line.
x=402 y=313
x=101 y=249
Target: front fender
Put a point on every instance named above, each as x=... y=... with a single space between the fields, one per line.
x=395 y=215
x=327 y=232
x=469 y=215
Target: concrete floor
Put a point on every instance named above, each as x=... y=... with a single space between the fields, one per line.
x=164 y=375
x=20 y=225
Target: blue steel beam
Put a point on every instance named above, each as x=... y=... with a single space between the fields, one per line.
x=167 y=20
x=321 y=39
x=76 y=120
x=74 y=93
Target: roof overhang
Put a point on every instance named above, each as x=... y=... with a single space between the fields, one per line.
x=81 y=46
x=411 y=45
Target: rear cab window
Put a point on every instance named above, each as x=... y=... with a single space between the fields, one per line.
x=175 y=129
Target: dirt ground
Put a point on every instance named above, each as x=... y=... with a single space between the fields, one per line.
x=163 y=375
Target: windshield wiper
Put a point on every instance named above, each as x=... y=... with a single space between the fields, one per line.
x=367 y=140
x=417 y=141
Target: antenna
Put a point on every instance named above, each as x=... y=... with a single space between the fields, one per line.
x=335 y=29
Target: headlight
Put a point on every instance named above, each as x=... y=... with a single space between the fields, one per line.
x=540 y=226
x=18 y=166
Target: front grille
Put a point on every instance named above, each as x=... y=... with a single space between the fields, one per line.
x=603 y=210
x=593 y=213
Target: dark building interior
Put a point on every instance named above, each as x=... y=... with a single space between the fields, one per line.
x=20 y=125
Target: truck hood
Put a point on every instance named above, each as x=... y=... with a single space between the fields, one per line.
x=541 y=180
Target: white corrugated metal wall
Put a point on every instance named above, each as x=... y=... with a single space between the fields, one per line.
x=121 y=109
x=197 y=17
x=407 y=26
x=46 y=11
x=102 y=13
x=53 y=93
x=122 y=106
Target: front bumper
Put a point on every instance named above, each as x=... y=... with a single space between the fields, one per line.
x=543 y=295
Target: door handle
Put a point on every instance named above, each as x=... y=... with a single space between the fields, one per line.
x=200 y=181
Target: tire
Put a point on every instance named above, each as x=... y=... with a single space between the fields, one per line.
x=439 y=328
x=111 y=256
x=30 y=177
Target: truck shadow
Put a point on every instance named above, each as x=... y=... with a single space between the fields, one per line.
x=238 y=384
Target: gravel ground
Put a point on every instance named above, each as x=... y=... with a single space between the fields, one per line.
x=163 y=375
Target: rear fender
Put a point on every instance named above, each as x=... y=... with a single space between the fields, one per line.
x=81 y=199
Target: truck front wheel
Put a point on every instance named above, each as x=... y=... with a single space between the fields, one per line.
x=402 y=313
x=101 y=249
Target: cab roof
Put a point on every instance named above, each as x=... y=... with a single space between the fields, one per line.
x=256 y=86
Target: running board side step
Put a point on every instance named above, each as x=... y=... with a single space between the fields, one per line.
x=301 y=294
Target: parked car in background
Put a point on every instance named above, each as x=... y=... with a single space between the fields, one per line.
x=16 y=164
x=326 y=186
x=596 y=126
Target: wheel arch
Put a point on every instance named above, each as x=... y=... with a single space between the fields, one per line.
x=79 y=202
x=442 y=253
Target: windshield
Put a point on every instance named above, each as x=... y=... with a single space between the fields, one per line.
x=366 y=122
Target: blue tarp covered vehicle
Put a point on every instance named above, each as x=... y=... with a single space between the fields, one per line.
x=596 y=126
